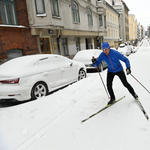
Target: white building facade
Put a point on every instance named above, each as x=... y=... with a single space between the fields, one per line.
x=112 y=19
x=67 y=26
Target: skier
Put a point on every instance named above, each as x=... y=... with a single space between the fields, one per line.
x=112 y=58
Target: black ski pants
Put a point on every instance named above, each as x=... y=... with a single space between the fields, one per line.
x=122 y=76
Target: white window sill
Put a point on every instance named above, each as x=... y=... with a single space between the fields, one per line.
x=14 y=26
x=41 y=15
x=56 y=17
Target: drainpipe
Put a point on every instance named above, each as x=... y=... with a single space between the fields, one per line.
x=58 y=41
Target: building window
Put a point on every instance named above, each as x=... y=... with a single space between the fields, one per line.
x=114 y=34
x=75 y=12
x=113 y=3
x=8 y=12
x=64 y=46
x=105 y=21
x=40 y=7
x=109 y=32
x=100 y=21
x=89 y=14
x=110 y=18
x=55 y=8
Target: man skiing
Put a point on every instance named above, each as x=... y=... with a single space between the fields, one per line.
x=112 y=58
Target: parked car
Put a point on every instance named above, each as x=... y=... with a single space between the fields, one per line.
x=124 y=50
x=34 y=76
x=130 y=47
x=85 y=57
x=135 y=48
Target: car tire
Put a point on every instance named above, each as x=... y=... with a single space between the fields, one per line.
x=39 y=90
x=82 y=74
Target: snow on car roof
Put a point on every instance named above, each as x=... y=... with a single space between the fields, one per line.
x=122 y=44
x=22 y=65
x=87 y=54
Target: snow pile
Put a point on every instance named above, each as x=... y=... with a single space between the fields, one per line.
x=54 y=122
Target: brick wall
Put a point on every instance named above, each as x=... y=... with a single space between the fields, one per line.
x=20 y=38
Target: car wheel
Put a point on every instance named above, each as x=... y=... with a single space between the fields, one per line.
x=82 y=74
x=39 y=90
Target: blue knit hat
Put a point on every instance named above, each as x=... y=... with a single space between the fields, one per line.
x=105 y=45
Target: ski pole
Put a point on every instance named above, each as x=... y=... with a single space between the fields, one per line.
x=140 y=83
x=102 y=81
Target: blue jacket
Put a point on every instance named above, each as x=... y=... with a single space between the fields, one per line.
x=113 y=60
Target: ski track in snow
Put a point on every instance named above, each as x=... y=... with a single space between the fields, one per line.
x=54 y=122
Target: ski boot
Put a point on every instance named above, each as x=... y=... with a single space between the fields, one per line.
x=135 y=96
x=111 y=102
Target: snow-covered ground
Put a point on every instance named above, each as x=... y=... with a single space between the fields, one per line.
x=54 y=122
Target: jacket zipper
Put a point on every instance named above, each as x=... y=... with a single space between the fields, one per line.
x=111 y=63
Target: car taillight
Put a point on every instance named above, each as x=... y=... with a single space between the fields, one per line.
x=10 y=81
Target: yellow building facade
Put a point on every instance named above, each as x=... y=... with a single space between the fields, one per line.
x=112 y=22
x=132 y=28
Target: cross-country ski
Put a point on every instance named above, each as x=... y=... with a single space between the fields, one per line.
x=142 y=108
x=102 y=109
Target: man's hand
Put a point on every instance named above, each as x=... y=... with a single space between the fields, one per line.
x=93 y=60
x=128 y=71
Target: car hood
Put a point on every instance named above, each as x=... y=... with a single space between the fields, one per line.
x=85 y=56
x=84 y=61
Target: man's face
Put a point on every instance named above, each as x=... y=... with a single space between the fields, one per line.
x=106 y=51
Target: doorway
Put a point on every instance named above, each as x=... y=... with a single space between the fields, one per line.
x=45 y=46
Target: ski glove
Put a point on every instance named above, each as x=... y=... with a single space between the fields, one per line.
x=128 y=71
x=93 y=60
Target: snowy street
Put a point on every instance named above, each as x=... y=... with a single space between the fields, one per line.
x=54 y=122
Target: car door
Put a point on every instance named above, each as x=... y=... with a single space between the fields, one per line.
x=50 y=72
x=70 y=72
x=67 y=69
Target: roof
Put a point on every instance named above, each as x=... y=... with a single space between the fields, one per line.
x=112 y=8
x=125 y=5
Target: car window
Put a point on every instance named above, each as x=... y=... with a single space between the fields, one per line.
x=45 y=63
x=60 y=62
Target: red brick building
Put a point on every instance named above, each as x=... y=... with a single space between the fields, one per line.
x=15 y=32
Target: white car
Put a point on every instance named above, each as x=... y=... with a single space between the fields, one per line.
x=85 y=57
x=124 y=50
x=34 y=76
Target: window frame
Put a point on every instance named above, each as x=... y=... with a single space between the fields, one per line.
x=55 y=13
x=37 y=8
x=105 y=22
x=90 y=18
x=100 y=18
x=8 y=17
x=75 y=12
